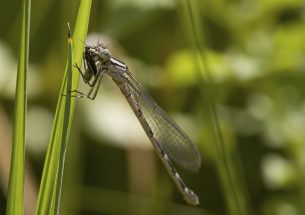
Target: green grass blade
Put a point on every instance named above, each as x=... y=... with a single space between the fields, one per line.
x=67 y=118
x=16 y=179
x=227 y=166
x=49 y=193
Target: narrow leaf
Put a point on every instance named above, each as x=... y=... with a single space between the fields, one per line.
x=16 y=178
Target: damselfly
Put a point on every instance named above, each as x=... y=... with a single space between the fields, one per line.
x=168 y=139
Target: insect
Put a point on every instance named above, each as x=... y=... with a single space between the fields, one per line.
x=169 y=140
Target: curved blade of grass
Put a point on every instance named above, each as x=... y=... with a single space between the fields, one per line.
x=231 y=177
x=50 y=189
x=16 y=179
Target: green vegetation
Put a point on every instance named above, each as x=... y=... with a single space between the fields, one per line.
x=16 y=179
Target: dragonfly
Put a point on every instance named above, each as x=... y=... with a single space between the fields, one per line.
x=169 y=140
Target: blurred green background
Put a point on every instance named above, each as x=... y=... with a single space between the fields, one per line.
x=254 y=57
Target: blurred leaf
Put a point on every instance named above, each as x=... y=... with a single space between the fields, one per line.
x=227 y=166
x=184 y=72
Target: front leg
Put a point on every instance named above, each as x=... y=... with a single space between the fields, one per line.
x=84 y=75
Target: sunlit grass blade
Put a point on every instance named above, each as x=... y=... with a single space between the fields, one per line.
x=228 y=169
x=16 y=179
x=50 y=190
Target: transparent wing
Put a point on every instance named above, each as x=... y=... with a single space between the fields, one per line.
x=172 y=139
